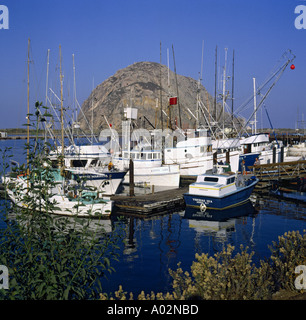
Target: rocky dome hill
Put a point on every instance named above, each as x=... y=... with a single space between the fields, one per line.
x=139 y=86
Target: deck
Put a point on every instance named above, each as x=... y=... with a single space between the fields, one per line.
x=150 y=204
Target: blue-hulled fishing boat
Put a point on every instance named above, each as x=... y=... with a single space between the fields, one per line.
x=220 y=190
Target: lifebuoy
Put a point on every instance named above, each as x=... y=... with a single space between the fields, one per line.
x=203 y=207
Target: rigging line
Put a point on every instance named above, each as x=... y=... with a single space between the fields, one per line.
x=267 y=93
x=274 y=74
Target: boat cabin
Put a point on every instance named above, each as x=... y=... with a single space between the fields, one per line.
x=214 y=185
x=255 y=143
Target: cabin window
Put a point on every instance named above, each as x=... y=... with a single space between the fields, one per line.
x=78 y=163
x=55 y=163
x=211 y=179
x=132 y=155
x=202 y=149
x=154 y=155
x=174 y=141
x=149 y=156
x=143 y=156
x=230 y=180
x=94 y=162
x=137 y=156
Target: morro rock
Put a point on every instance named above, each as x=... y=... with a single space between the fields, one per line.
x=141 y=85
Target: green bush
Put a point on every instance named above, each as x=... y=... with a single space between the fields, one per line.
x=228 y=277
x=50 y=257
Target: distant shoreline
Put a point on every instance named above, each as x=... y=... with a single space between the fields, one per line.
x=278 y=130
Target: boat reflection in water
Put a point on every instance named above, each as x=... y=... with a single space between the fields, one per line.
x=220 y=223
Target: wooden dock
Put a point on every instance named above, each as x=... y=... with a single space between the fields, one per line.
x=267 y=173
x=150 y=204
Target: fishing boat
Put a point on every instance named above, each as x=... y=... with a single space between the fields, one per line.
x=148 y=169
x=220 y=190
x=66 y=200
x=92 y=166
x=195 y=154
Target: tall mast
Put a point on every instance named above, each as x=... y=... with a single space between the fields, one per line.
x=198 y=91
x=233 y=91
x=169 y=111
x=216 y=71
x=223 y=91
x=178 y=99
x=46 y=101
x=28 y=114
x=62 y=111
x=47 y=78
x=160 y=90
x=74 y=90
x=92 y=115
x=255 y=117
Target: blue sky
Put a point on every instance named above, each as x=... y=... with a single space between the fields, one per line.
x=108 y=35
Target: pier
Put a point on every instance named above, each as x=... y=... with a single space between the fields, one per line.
x=267 y=173
x=150 y=204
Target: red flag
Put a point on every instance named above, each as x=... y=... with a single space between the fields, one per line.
x=172 y=101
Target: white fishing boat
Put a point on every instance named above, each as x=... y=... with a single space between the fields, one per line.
x=68 y=201
x=148 y=169
x=195 y=155
x=91 y=165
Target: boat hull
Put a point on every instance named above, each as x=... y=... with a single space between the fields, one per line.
x=107 y=182
x=165 y=176
x=220 y=203
x=63 y=205
x=249 y=160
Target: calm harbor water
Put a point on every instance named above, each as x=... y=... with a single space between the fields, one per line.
x=153 y=245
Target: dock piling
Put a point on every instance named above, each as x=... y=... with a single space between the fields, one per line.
x=131 y=169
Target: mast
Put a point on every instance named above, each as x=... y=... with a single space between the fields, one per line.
x=198 y=91
x=255 y=116
x=216 y=71
x=28 y=114
x=178 y=100
x=92 y=115
x=233 y=91
x=160 y=90
x=74 y=90
x=169 y=111
x=62 y=111
x=223 y=92
x=47 y=80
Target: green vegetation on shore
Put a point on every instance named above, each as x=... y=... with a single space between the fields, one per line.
x=228 y=277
